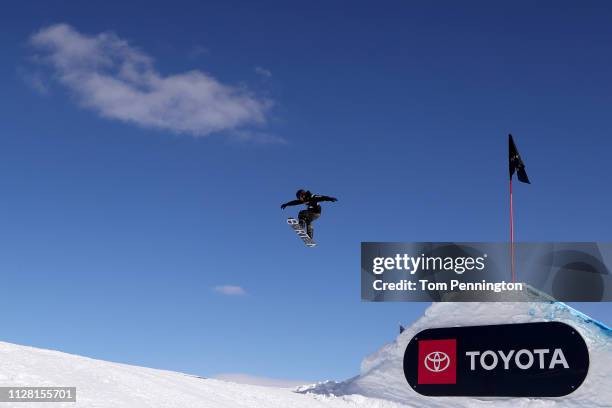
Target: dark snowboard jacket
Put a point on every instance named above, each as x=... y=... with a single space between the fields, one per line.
x=312 y=202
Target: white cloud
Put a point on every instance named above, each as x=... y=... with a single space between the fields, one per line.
x=118 y=81
x=230 y=290
x=198 y=51
x=34 y=80
x=263 y=381
x=263 y=72
x=257 y=137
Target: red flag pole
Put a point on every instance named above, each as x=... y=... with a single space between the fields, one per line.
x=512 y=235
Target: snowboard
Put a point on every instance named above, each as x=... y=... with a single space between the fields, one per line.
x=301 y=232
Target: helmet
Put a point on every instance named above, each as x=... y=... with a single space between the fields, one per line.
x=301 y=192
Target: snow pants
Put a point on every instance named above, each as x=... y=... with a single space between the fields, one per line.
x=306 y=217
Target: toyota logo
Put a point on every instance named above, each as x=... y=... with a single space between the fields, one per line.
x=437 y=361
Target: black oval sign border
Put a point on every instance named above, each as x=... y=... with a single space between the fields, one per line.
x=501 y=383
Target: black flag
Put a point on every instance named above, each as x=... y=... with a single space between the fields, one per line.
x=516 y=163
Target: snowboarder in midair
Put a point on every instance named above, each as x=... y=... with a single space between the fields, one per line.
x=313 y=210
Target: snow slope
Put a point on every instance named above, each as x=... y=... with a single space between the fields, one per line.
x=382 y=373
x=112 y=385
x=381 y=383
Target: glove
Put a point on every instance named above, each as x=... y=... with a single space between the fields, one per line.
x=333 y=199
x=283 y=206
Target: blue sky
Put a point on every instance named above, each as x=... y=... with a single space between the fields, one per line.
x=120 y=215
